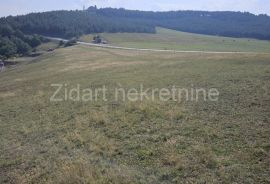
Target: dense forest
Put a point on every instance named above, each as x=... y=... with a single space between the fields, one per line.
x=14 y=42
x=15 y=31
x=230 y=24
x=74 y=23
x=70 y=24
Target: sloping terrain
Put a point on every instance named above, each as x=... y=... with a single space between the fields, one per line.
x=70 y=24
x=167 y=39
x=135 y=142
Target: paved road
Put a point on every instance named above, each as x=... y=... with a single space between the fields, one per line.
x=157 y=50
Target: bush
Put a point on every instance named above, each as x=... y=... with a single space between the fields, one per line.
x=7 y=48
x=71 y=43
x=34 y=41
x=61 y=43
x=16 y=43
x=22 y=47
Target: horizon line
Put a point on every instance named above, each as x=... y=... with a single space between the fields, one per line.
x=211 y=11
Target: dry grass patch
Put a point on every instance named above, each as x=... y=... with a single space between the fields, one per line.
x=136 y=142
x=96 y=66
x=7 y=94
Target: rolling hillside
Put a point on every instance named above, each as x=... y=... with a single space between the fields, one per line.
x=70 y=24
x=135 y=142
x=176 y=40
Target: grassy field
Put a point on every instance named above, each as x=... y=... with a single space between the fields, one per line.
x=136 y=142
x=46 y=46
x=170 y=39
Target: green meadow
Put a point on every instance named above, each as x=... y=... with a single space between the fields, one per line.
x=175 y=40
x=149 y=141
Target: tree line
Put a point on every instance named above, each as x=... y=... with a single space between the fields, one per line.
x=69 y=24
x=230 y=24
x=16 y=43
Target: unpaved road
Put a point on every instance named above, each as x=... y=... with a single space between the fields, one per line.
x=158 y=50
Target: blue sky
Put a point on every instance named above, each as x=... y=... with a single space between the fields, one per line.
x=15 y=7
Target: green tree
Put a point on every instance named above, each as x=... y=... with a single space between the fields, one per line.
x=34 y=41
x=61 y=43
x=7 y=48
x=19 y=34
x=6 y=31
x=22 y=47
x=71 y=43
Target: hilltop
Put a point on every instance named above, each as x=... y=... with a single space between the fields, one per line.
x=69 y=24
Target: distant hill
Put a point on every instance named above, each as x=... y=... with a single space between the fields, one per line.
x=230 y=24
x=75 y=23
